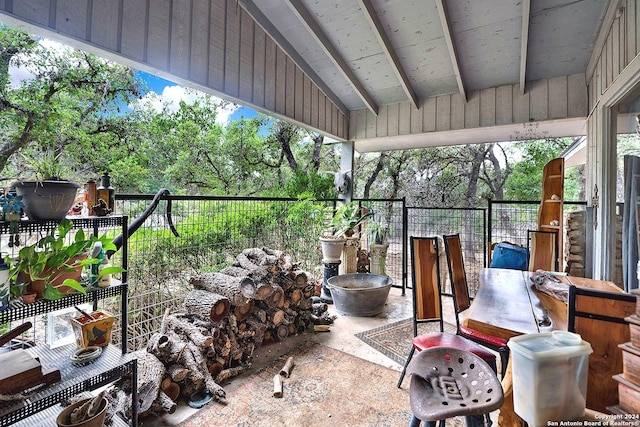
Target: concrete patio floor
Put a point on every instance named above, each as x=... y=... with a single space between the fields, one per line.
x=342 y=336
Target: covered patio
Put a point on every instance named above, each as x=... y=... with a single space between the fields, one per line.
x=377 y=75
x=391 y=75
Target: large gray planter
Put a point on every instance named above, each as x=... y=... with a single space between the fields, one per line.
x=46 y=200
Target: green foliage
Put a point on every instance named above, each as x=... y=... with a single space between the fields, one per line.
x=45 y=165
x=525 y=182
x=51 y=257
x=318 y=185
x=347 y=217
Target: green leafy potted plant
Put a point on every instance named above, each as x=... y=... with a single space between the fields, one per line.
x=342 y=225
x=378 y=246
x=48 y=196
x=53 y=268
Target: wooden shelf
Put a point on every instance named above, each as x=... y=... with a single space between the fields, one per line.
x=552 y=204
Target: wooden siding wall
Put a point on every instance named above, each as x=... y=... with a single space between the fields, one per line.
x=214 y=44
x=621 y=46
x=557 y=98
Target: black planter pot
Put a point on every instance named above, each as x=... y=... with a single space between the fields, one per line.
x=46 y=200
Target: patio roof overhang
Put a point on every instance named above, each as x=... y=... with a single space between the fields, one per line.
x=474 y=71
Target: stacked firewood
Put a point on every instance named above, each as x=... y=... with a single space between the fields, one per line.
x=263 y=297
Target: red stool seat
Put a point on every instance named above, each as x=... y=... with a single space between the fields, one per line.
x=437 y=339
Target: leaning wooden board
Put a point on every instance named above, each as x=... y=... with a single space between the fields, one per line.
x=20 y=372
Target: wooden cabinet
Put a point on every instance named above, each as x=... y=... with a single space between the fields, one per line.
x=114 y=362
x=551 y=210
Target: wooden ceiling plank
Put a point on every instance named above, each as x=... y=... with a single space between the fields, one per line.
x=316 y=31
x=279 y=40
x=389 y=51
x=448 y=36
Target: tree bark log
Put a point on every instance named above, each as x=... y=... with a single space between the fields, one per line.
x=207 y=305
x=237 y=289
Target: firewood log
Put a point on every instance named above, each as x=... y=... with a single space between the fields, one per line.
x=276 y=317
x=295 y=296
x=305 y=303
x=241 y=312
x=177 y=372
x=226 y=374
x=261 y=258
x=260 y=314
x=238 y=290
x=286 y=369
x=151 y=371
x=283 y=280
x=281 y=332
x=275 y=252
x=215 y=367
x=277 y=385
x=170 y=388
x=164 y=403
x=301 y=278
x=207 y=305
x=255 y=271
x=276 y=299
x=188 y=330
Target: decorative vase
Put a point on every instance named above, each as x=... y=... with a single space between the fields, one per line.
x=378 y=256
x=46 y=200
x=94 y=330
x=332 y=248
x=349 y=257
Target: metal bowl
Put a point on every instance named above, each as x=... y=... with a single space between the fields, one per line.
x=359 y=294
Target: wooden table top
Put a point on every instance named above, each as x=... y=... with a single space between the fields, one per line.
x=507 y=304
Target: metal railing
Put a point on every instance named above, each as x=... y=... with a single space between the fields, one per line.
x=213 y=230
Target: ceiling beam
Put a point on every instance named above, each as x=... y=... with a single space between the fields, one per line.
x=282 y=42
x=308 y=20
x=446 y=27
x=524 y=42
x=378 y=30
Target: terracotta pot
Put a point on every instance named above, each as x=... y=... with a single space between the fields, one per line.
x=38 y=286
x=29 y=297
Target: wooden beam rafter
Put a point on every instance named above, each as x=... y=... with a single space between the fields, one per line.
x=453 y=54
x=282 y=42
x=316 y=31
x=385 y=44
x=524 y=42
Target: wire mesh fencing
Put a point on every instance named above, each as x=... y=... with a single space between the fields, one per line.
x=185 y=236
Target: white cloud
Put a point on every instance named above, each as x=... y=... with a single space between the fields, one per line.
x=172 y=95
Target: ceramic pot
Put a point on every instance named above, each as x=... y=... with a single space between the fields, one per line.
x=38 y=286
x=331 y=248
x=95 y=421
x=29 y=297
x=46 y=200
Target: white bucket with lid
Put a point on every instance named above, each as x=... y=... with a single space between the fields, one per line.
x=549 y=376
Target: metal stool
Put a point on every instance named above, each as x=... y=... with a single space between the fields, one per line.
x=448 y=382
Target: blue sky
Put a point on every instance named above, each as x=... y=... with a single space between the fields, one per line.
x=169 y=90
